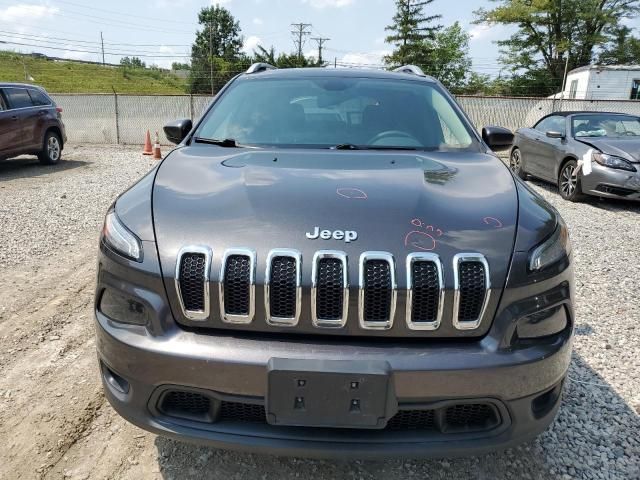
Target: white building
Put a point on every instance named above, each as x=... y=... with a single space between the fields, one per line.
x=594 y=82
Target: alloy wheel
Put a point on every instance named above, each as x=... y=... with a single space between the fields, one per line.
x=516 y=159
x=53 y=148
x=568 y=180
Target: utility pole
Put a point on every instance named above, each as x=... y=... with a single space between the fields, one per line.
x=301 y=31
x=211 y=54
x=320 y=41
x=102 y=43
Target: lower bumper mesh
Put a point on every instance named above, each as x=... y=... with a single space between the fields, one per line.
x=456 y=418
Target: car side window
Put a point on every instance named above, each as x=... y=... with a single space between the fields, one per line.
x=554 y=123
x=18 y=97
x=3 y=105
x=38 y=98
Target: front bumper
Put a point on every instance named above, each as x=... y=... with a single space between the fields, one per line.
x=612 y=183
x=235 y=367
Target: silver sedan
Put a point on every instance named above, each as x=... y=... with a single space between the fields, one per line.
x=583 y=153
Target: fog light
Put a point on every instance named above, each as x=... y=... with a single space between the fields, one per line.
x=544 y=323
x=123 y=309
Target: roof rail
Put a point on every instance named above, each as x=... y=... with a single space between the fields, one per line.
x=411 y=70
x=260 y=67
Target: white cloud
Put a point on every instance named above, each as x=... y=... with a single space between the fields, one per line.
x=251 y=43
x=478 y=31
x=365 y=59
x=220 y=2
x=329 y=3
x=257 y=21
x=22 y=12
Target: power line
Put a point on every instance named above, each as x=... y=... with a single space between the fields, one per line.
x=301 y=31
x=320 y=41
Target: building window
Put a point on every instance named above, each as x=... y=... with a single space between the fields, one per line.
x=635 y=90
x=573 y=88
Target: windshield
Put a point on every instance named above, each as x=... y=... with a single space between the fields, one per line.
x=337 y=112
x=614 y=126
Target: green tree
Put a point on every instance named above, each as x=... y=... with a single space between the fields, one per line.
x=411 y=27
x=180 y=66
x=549 y=30
x=216 y=53
x=283 y=60
x=622 y=49
x=446 y=57
x=132 y=62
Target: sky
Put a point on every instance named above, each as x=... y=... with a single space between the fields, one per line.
x=161 y=31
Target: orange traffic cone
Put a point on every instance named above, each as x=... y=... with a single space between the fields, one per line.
x=157 y=154
x=147 y=145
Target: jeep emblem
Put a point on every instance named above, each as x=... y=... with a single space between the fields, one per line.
x=348 y=236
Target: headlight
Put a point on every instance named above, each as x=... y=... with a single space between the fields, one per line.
x=120 y=239
x=613 y=162
x=555 y=248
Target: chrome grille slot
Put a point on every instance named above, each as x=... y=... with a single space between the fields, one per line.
x=329 y=289
x=283 y=287
x=377 y=300
x=425 y=291
x=237 y=286
x=472 y=290
x=192 y=282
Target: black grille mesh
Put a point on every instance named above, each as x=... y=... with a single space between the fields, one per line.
x=192 y=266
x=412 y=420
x=185 y=403
x=330 y=289
x=282 y=289
x=472 y=290
x=426 y=292
x=377 y=291
x=454 y=418
x=470 y=416
x=237 y=277
x=242 y=412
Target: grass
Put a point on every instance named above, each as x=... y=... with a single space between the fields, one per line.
x=74 y=77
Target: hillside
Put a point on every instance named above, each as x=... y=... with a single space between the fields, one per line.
x=72 y=77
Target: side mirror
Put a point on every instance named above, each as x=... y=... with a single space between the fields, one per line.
x=497 y=138
x=177 y=130
x=553 y=134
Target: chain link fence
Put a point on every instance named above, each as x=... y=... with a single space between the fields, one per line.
x=124 y=119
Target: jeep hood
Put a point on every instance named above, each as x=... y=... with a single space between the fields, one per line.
x=398 y=202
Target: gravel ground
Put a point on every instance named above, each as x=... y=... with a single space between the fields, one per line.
x=55 y=423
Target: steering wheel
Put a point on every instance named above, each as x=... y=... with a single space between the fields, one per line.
x=391 y=134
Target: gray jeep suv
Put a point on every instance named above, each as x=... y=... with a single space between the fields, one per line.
x=334 y=263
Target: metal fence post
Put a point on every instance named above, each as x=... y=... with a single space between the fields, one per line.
x=115 y=102
x=191 y=106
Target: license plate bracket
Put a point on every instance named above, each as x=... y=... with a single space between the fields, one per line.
x=334 y=393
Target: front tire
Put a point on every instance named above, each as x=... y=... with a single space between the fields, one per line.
x=51 y=149
x=515 y=164
x=569 y=184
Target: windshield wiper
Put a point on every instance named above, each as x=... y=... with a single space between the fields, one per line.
x=385 y=147
x=346 y=146
x=226 y=143
x=351 y=146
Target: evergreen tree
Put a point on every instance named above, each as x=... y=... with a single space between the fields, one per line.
x=284 y=60
x=410 y=29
